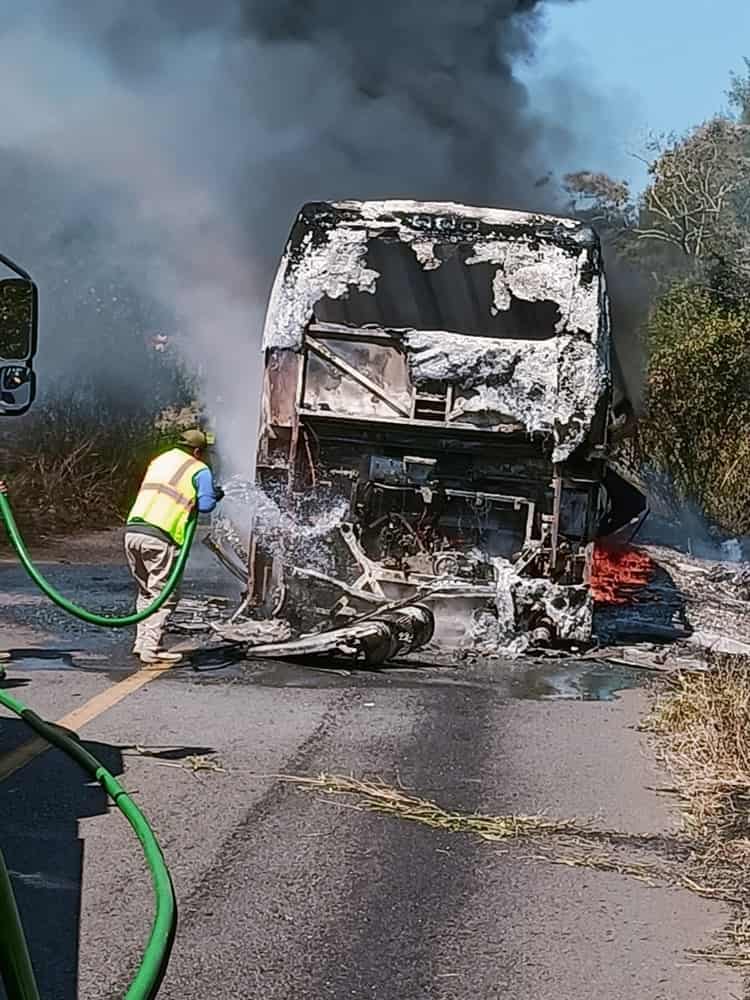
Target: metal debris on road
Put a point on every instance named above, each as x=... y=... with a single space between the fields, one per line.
x=253 y=632
x=197 y=615
x=373 y=640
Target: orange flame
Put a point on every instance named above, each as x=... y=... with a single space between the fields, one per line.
x=618 y=573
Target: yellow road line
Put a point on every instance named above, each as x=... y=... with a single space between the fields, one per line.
x=94 y=707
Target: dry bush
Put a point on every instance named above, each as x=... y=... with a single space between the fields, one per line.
x=704 y=727
x=73 y=465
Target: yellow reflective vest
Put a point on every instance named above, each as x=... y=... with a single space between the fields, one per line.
x=167 y=494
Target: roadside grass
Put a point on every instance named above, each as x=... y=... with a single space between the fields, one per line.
x=74 y=466
x=702 y=725
x=701 y=729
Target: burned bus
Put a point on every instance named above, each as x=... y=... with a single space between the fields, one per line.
x=438 y=396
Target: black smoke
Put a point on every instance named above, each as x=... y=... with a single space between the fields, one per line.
x=327 y=98
x=157 y=153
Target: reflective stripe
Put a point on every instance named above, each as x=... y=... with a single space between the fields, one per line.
x=169 y=491
x=182 y=470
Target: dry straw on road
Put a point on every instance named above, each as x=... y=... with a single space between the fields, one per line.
x=701 y=728
x=375 y=796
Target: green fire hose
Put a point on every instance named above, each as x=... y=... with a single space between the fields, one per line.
x=115 y=621
x=15 y=966
x=17 y=970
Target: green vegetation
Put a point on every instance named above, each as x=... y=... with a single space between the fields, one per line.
x=699 y=400
x=688 y=235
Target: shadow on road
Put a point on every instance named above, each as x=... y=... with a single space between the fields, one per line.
x=40 y=808
x=65 y=656
x=14 y=682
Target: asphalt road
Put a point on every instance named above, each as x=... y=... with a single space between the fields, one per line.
x=287 y=893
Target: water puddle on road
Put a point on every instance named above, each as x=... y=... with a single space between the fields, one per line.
x=567 y=680
x=574 y=681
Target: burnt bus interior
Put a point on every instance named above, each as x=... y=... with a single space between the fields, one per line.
x=431 y=488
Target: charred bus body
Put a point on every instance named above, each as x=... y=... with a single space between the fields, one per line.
x=437 y=402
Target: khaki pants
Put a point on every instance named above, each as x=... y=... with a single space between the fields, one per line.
x=151 y=561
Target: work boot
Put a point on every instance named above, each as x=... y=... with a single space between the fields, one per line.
x=160 y=656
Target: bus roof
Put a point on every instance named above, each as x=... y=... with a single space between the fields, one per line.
x=449 y=221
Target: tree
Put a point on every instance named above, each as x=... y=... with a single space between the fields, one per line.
x=689 y=232
x=600 y=200
x=694 y=215
x=698 y=398
x=690 y=203
x=739 y=94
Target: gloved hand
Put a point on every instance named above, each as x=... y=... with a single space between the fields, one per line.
x=218 y=493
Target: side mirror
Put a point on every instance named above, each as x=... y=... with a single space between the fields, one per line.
x=18 y=342
x=17 y=389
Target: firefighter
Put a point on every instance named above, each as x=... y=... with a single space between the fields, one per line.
x=175 y=482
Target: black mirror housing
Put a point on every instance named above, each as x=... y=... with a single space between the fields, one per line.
x=19 y=322
x=17 y=389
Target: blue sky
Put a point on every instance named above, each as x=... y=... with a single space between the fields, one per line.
x=661 y=65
